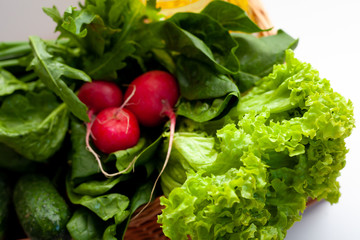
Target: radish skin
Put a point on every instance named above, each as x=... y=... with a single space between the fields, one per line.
x=152 y=89
x=115 y=129
x=98 y=95
x=152 y=97
x=105 y=99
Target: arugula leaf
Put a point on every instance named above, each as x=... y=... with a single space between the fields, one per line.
x=75 y=20
x=231 y=17
x=53 y=73
x=33 y=124
x=9 y=83
x=102 y=29
x=113 y=60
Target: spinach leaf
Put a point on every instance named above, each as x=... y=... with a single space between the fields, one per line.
x=11 y=160
x=147 y=154
x=105 y=206
x=140 y=197
x=126 y=157
x=96 y=187
x=206 y=94
x=258 y=55
x=214 y=36
x=53 y=73
x=34 y=125
x=85 y=225
x=179 y=40
x=231 y=17
x=198 y=81
x=139 y=155
x=244 y=81
x=83 y=163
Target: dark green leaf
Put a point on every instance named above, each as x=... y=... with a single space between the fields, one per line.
x=96 y=188
x=258 y=55
x=148 y=153
x=244 y=81
x=13 y=161
x=105 y=206
x=198 y=81
x=33 y=125
x=125 y=158
x=85 y=225
x=121 y=46
x=10 y=51
x=230 y=16
x=200 y=37
x=113 y=60
x=141 y=196
x=83 y=163
x=53 y=74
x=9 y=83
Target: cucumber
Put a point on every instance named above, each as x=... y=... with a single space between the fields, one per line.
x=42 y=212
x=5 y=198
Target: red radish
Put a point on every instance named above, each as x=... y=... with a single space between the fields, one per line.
x=152 y=97
x=104 y=97
x=153 y=91
x=115 y=129
x=98 y=95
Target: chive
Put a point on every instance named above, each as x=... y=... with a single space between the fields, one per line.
x=15 y=51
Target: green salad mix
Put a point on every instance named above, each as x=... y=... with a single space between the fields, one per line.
x=258 y=131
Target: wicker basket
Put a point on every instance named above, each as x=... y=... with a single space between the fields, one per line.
x=145 y=226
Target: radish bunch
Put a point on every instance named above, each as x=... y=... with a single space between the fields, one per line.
x=115 y=119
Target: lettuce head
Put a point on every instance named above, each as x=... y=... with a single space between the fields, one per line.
x=251 y=178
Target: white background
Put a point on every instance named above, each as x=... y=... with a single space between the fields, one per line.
x=329 y=39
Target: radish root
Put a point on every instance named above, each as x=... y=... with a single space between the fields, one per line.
x=167 y=111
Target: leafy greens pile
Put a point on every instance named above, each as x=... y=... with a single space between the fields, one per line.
x=256 y=137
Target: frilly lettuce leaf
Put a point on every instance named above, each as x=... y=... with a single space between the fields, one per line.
x=217 y=207
x=283 y=143
x=190 y=152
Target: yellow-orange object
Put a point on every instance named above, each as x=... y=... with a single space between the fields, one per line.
x=253 y=8
x=169 y=7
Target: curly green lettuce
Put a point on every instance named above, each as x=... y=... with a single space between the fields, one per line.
x=285 y=143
